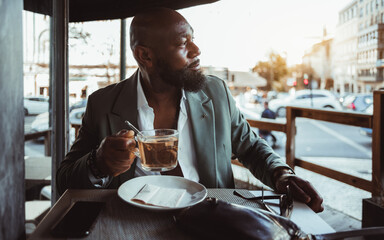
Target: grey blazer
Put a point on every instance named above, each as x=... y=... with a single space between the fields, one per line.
x=218 y=130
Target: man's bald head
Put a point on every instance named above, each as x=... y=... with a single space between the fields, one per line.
x=149 y=26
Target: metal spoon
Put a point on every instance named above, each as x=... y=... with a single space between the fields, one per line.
x=137 y=131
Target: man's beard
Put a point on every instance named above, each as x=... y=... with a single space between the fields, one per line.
x=185 y=78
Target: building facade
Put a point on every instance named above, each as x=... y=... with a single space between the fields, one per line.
x=319 y=58
x=359 y=47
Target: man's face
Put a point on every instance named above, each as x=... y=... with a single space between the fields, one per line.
x=177 y=58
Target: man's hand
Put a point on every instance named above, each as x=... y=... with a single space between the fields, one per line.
x=116 y=153
x=301 y=189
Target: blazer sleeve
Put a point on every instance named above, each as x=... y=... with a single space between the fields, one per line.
x=251 y=150
x=73 y=170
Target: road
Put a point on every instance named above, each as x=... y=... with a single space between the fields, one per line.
x=324 y=139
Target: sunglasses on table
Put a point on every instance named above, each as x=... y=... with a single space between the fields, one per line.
x=285 y=201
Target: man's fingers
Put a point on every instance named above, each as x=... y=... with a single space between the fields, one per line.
x=121 y=143
x=304 y=191
x=298 y=193
x=125 y=133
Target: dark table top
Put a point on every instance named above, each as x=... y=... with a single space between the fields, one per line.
x=120 y=220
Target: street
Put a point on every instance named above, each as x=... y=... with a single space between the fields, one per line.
x=324 y=139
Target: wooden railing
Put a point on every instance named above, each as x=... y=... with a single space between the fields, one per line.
x=375 y=121
x=47 y=139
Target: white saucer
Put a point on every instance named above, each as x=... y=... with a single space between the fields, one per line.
x=195 y=191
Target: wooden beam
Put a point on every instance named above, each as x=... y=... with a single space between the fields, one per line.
x=291 y=134
x=35 y=135
x=271 y=125
x=337 y=175
x=378 y=144
x=347 y=118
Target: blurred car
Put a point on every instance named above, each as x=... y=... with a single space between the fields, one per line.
x=76 y=116
x=79 y=104
x=35 y=105
x=343 y=96
x=367 y=131
x=358 y=102
x=41 y=122
x=305 y=98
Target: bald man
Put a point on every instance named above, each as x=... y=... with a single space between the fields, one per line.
x=169 y=90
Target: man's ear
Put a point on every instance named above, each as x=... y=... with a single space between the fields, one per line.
x=144 y=56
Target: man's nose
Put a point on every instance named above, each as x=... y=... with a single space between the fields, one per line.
x=194 y=50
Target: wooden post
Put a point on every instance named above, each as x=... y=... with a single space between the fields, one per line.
x=60 y=94
x=47 y=143
x=378 y=144
x=291 y=133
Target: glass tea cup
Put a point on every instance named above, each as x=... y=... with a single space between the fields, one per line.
x=158 y=149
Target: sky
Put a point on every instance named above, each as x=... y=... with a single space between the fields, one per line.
x=231 y=33
x=239 y=33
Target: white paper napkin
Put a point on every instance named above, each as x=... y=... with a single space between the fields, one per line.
x=159 y=196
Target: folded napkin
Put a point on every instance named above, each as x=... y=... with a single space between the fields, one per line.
x=159 y=196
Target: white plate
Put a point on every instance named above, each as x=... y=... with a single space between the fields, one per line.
x=195 y=191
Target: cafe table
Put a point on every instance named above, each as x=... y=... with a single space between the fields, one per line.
x=120 y=220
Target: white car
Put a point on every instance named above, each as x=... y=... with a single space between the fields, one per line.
x=41 y=121
x=76 y=115
x=35 y=105
x=305 y=98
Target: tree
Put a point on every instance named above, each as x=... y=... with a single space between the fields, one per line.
x=273 y=70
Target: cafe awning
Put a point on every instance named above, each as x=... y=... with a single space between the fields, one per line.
x=90 y=10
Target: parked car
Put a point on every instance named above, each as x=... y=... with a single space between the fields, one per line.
x=79 y=104
x=367 y=131
x=358 y=102
x=305 y=98
x=35 y=105
x=41 y=122
x=76 y=116
x=343 y=96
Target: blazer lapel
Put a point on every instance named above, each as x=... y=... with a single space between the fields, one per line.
x=125 y=108
x=202 y=119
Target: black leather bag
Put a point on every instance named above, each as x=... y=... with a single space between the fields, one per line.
x=216 y=219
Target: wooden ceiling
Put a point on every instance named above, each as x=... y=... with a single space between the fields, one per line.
x=91 y=10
